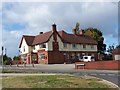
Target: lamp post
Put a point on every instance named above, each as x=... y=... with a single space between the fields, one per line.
x=2 y=55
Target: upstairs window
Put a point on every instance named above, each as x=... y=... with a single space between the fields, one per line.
x=42 y=45
x=74 y=45
x=84 y=46
x=65 y=45
x=92 y=46
x=24 y=49
x=34 y=47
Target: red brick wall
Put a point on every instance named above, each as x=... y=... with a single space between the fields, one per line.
x=100 y=65
x=55 y=57
x=45 y=61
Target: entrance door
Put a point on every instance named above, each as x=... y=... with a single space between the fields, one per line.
x=28 y=60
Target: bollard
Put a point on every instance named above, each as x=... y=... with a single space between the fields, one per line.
x=25 y=65
x=17 y=65
x=33 y=64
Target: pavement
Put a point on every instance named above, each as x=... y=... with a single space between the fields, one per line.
x=109 y=75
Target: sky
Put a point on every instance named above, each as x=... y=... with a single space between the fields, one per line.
x=30 y=18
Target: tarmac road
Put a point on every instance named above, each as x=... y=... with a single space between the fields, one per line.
x=109 y=75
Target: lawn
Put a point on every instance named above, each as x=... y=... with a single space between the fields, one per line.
x=52 y=81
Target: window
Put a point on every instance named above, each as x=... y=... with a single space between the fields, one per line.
x=84 y=46
x=78 y=55
x=92 y=46
x=42 y=56
x=86 y=57
x=73 y=56
x=34 y=57
x=74 y=45
x=65 y=45
x=42 y=45
x=66 y=55
x=34 y=47
x=24 y=49
x=23 y=58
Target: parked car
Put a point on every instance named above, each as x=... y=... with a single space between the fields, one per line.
x=87 y=58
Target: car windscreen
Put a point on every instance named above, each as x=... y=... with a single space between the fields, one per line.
x=92 y=58
x=85 y=57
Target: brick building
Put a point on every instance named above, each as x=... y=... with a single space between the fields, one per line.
x=116 y=54
x=55 y=47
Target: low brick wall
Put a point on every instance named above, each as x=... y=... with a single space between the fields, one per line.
x=99 y=65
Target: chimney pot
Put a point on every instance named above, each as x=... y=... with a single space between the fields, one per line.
x=54 y=27
x=81 y=32
x=41 y=33
x=74 y=31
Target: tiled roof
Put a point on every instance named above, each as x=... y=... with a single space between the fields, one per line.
x=71 y=38
x=68 y=38
x=28 y=39
x=41 y=38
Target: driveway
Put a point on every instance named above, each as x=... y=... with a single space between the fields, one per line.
x=110 y=75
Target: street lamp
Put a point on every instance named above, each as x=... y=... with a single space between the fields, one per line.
x=2 y=55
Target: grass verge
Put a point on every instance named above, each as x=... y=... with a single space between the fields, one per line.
x=52 y=81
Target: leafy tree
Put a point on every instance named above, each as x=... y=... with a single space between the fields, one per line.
x=77 y=27
x=110 y=49
x=118 y=46
x=16 y=57
x=98 y=36
x=6 y=59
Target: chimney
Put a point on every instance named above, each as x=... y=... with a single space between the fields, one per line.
x=81 y=32
x=54 y=28
x=74 y=31
x=41 y=33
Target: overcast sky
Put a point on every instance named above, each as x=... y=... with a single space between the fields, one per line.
x=30 y=18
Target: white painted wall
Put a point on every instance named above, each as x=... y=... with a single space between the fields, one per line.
x=117 y=57
x=49 y=44
x=24 y=44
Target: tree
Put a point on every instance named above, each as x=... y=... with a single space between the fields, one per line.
x=77 y=27
x=16 y=57
x=118 y=46
x=6 y=59
x=110 y=49
x=98 y=36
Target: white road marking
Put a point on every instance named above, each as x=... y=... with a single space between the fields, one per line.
x=102 y=74
x=111 y=74
x=93 y=74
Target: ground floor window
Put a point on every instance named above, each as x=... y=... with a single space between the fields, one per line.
x=66 y=55
x=73 y=55
x=34 y=57
x=24 y=58
x=78 y=55
x=41 y=56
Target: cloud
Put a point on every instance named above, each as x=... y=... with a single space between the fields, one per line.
x=39 y=16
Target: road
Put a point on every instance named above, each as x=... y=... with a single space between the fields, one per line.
x=109 y=75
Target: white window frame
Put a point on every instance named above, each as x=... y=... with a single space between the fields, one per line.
x=41 y=56
x=65 y=45
x=74 y=46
